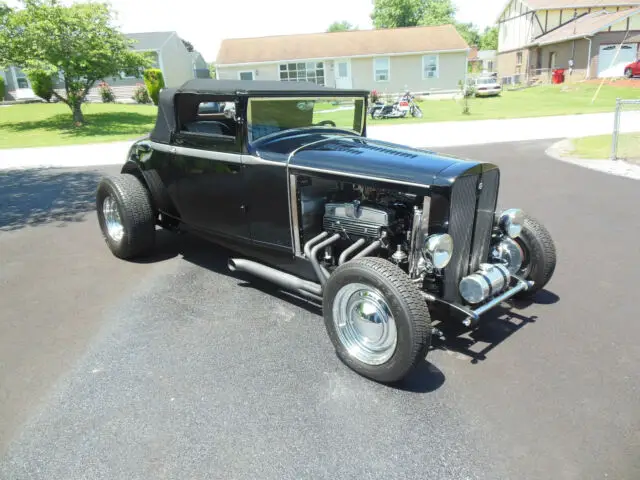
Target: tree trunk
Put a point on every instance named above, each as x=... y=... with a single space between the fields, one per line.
x=78 y=117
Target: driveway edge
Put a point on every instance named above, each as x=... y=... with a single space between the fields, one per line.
x=560 y=151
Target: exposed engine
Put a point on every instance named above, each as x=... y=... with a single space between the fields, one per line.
x=356 y=220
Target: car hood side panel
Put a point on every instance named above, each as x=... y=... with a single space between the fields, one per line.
x=359 y=156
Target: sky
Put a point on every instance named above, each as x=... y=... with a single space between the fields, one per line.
x=206 y=22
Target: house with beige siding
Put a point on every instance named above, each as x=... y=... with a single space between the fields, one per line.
x=588 y=38
x=419 y=59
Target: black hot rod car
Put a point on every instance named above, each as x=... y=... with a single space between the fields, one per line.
x=378 y=233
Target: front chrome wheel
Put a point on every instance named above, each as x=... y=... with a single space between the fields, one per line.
x=364 y=323
x=113 y=222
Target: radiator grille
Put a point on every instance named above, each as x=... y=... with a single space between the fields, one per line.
x=487 y=199
x=462 y=212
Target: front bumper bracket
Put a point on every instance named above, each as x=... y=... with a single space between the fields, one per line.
x=472 y=316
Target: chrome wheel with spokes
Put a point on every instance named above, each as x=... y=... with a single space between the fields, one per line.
x=112 y=219
x=364 y=323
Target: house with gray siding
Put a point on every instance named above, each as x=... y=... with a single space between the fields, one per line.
x=421 y=59
x=168 y=53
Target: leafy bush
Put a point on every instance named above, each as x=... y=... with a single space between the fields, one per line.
x=140 y=94
x=154 y=81
x=374 y=96
x=1 y=88
x=42 y=85
x=106 y=93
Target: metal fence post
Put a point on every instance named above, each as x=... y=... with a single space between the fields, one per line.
x=616 y=130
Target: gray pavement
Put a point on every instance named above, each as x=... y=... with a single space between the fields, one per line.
x=179 y=369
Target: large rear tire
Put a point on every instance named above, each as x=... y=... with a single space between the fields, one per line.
x=126 y=216
x=376 y=318
x=539 y=256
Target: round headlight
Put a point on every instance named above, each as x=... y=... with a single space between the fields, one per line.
x=511 y=222
x=439 y=248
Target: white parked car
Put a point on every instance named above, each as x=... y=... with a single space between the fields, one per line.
x=485 y=86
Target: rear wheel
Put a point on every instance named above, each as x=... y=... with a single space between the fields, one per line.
x=628 y=73
x=376 y=318
x=539 y=256
x=126 y=216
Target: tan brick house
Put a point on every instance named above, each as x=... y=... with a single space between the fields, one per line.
x=600 y=37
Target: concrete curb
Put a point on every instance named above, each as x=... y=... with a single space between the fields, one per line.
x=561 y=151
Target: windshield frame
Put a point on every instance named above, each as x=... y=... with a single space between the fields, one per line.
x=306 y=98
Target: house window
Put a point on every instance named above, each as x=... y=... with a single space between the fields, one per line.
x=519 y=58
x=490 y=66
x=302 y=72
x=21 y=79
x=430 y=66
x=381 y=69
x=248 y=75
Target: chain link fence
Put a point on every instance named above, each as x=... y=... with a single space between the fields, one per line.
x=625 y=143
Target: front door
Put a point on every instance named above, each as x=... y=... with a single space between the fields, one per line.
x=343 y=74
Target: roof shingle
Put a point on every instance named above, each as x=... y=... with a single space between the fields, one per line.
x=547 y=4
x=340 y=44
x=149 y=40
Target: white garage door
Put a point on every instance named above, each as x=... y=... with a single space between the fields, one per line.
x=611 y=62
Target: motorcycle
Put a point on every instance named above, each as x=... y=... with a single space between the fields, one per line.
x=399 y=109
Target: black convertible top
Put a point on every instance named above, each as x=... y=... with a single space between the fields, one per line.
x=262 y=87
x=166 y=119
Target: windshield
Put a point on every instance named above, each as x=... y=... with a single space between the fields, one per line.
x=266 y=116
x=485 y=81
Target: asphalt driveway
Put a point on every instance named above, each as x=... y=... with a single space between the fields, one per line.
x=176 y=368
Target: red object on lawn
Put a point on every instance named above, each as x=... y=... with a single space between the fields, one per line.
x=558 y=76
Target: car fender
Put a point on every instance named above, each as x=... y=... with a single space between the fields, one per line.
x=151 y=180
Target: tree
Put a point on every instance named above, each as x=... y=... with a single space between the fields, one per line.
x=212 y=70
x=5 y=11
x=188 y=45
x=438 y=12
x=489 y=39
x=342 y=26
x=411 y=13
x=398 y=13
x=77 y=40
x=469 y=32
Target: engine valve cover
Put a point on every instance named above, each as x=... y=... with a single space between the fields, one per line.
x=356 y=219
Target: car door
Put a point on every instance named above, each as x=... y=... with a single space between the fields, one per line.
x=211 y=190
x=636 y=68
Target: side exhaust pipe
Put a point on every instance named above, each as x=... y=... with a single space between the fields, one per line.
x=322 y=272
x=370 y=249
x=347 y=253
x=284 y=280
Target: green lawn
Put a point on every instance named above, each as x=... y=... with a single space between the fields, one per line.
x=38 y=124
x=599 y=147
x=532 y=102
x=50 y=124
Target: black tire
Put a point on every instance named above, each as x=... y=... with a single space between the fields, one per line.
x=539 y=262
x=628 y=73
x=136 y=213
x=407 y=306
